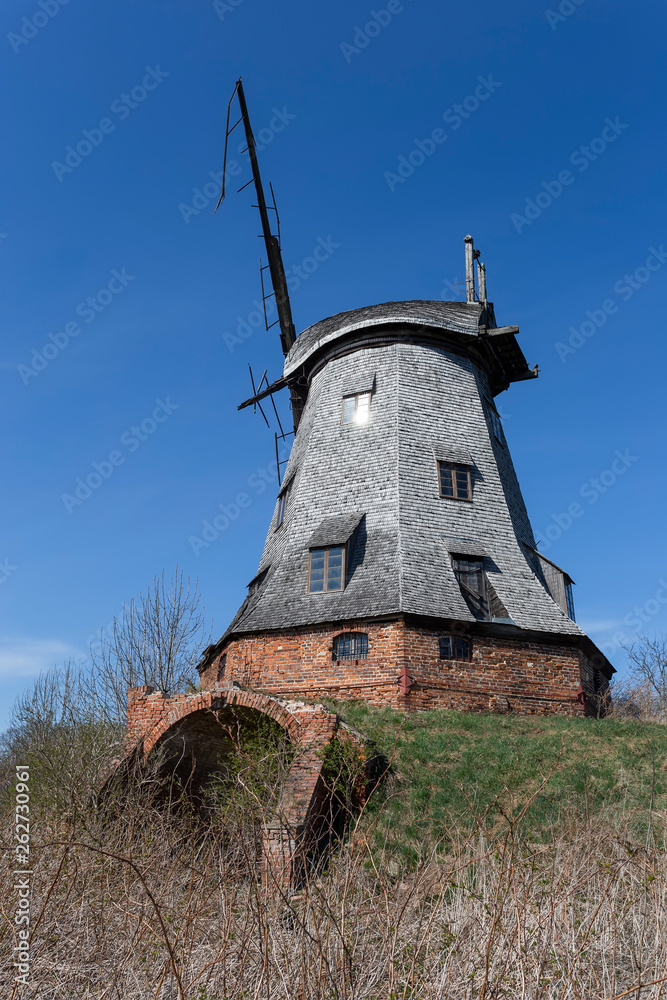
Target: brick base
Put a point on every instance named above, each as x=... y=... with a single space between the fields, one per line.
x=503 y=674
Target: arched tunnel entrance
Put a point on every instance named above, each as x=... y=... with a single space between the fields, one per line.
x=212 y=753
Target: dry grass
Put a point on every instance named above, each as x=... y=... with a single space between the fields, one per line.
x=159 y=904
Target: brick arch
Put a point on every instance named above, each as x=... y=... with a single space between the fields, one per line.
x=175 y=710
x=296 y=827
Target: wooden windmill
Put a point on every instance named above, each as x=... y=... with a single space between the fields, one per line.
x=400 y=565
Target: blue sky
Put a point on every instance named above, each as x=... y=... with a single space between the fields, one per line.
x=113 y=261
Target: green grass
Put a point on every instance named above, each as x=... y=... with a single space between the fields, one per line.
x=448 y=766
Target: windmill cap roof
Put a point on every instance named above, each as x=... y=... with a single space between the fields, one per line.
x=456 y=317
x=470 y=324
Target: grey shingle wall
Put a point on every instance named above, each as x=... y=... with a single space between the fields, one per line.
x=338 y=469
x=425 y=397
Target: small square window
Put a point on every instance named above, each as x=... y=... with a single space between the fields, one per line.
x=356 y=409
x=454 y=647
x=455 y=481
x=326 y=569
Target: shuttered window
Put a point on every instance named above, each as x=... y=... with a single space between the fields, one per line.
x=472 y=581
x=557 y=581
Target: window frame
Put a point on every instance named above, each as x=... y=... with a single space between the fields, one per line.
x=326 y=549
x=454 y=468
x=283 y=497
x=356 y=396
x=454 y=640
x=496 y=423
x=357 y=655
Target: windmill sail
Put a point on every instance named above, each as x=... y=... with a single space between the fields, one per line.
x=271 y=239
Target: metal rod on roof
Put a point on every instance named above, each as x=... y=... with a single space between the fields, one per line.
x=470 y=269
x=481 y=278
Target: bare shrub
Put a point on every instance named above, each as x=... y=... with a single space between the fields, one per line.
x=58 y=731
x=157 y=641
x=644 y=693
x=71 y=725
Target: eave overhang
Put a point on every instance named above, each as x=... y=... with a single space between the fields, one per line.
x=466 y=328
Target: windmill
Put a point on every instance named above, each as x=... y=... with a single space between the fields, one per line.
x=400 y=565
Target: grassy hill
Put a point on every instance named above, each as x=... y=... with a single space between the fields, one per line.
x=447 y=768
x=540 y=886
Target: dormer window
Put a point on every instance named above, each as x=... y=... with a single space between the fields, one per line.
x=326 y=570
x=257 y=581
x=356 y=409
x=471 y=578
x=328 y=552
x=558 y=582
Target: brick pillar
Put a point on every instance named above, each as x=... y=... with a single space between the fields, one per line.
x=279 y=856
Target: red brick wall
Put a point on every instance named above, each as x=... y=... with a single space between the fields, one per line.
x=528 y=677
